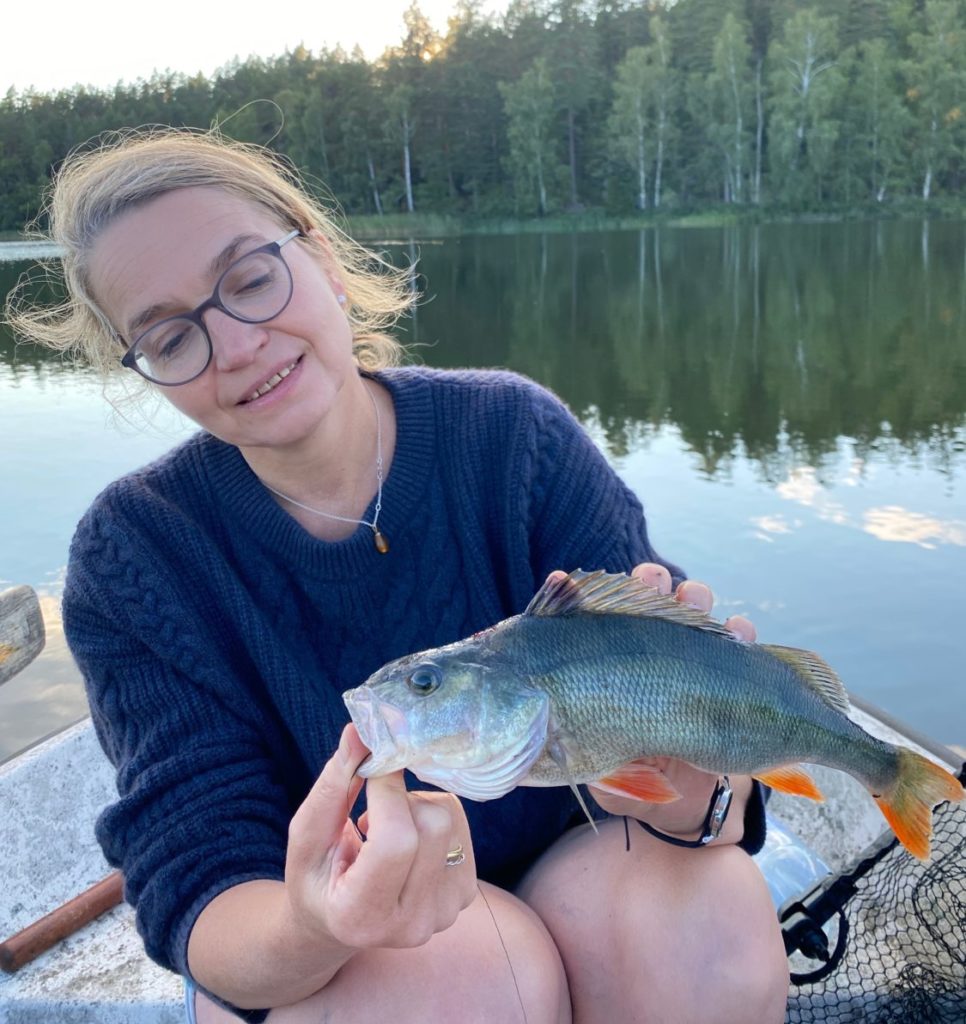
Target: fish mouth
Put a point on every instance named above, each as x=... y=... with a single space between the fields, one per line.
x=382 y=728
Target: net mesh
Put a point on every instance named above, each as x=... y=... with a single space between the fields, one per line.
x=904 y=949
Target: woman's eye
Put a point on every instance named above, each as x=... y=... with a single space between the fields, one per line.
x=171 y=346
x=166 y=347
x=424 y=680
x=251 y=284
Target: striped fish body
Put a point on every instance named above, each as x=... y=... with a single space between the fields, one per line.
x=625 y=687
x=599 y=676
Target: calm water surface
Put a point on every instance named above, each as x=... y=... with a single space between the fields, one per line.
x=788 y=401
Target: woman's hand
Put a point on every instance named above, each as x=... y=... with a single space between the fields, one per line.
x=270 y=943
x=684 y=818
x=395 y=889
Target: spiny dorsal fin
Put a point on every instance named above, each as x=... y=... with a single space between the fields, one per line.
x=814 y=673
x=603 y=593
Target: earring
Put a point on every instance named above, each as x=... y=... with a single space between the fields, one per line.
x=341 y=298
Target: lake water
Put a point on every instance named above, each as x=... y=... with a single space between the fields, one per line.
x=788 y=401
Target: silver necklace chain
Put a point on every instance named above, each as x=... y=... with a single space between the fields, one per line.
x=379 y=538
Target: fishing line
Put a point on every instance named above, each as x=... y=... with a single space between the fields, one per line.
x=349 y=804
x=506 y=953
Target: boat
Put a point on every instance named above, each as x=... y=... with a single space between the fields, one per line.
x=52 y=792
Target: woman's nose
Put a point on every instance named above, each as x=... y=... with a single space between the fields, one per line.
x=234 y=343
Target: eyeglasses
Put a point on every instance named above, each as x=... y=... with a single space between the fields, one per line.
x=254 y=289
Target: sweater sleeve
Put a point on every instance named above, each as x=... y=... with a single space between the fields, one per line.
x=200 y=806
x=581 y=514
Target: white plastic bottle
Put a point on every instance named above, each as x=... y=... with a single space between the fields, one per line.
x=791 y=868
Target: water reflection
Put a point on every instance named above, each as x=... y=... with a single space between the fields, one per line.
x=782 y=338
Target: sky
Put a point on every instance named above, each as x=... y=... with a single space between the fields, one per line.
x=101 y=42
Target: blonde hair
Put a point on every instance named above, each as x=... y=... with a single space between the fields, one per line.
x=127 y=168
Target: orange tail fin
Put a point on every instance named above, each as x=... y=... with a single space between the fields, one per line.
x=919 y=786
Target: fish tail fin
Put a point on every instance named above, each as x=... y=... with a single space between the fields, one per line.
x=920 y=784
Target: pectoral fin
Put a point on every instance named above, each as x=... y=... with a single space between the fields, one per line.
x=557 y=750
x=791 y=778
x=640 y=780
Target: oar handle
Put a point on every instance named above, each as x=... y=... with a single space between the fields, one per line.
x=40 y=936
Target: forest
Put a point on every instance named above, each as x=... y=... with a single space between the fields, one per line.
x=574 y=107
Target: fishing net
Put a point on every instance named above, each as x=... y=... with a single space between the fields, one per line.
x=894 y=950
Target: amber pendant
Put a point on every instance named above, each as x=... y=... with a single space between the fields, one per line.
x=379 y=539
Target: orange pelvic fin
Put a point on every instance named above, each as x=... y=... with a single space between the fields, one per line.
x=641 y=780
x=792 y=778
x=919 y=786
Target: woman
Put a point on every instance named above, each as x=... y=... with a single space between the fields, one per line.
x=334 y=513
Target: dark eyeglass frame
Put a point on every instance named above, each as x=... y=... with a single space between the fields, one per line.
x=196 y=316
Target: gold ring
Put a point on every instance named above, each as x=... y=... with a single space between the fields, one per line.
x=456 y=856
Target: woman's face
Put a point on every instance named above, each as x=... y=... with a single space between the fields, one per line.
x=164 y=258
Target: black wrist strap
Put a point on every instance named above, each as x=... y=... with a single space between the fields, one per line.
x=713 y=821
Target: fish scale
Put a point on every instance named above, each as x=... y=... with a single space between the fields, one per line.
x=647 y=687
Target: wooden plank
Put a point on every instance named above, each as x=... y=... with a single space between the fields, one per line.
x=21 y=630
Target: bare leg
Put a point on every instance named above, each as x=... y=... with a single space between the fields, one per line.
x=461 y=974
x=660 y=934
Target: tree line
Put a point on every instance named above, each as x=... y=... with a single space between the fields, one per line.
x=569 y=105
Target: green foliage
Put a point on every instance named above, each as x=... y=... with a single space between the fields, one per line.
x=529 y=104
x=806 y=89
x=875 y=164
x=730 y=88
x=561 y=106
x=936 y=77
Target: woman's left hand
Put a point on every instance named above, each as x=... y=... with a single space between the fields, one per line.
x=684 y=818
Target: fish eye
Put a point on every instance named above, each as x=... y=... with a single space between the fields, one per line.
x=424 y=680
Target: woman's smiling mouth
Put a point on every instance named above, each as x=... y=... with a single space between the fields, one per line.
x=271 y=383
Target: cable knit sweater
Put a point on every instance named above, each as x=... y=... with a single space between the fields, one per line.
x=216 y=636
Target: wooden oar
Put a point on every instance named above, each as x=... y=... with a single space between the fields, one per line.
x=21 y=630
x=40 y=936
x=21 y=640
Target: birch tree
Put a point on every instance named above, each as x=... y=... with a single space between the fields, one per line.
x=401 y=127
x=529 y=106
x=730 y=91
x=665 y=80
x=629 y=122
x=572 y=63
x=407 y=89
x=878 y=121
x=935 y=91
x=639 y=124
x=805 y=86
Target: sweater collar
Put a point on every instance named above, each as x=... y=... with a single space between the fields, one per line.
x=245 y=501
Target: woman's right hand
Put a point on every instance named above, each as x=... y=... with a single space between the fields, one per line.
x=395 y=889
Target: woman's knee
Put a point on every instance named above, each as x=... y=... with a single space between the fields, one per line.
x=496 y=963
x=664 y=933
x=751 y=967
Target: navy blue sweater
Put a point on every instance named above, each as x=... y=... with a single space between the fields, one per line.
x=216 y=636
